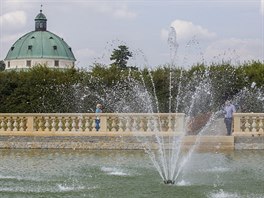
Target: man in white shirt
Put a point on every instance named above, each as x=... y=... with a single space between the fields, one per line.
x=229 y=109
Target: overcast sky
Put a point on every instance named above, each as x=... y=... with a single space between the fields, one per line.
x=206 y=30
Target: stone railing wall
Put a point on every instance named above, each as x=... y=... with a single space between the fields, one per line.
x=248 y=124
x=85 y=123
x=245 y=124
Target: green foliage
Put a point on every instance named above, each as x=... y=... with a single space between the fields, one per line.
x=223 y=80
x=121 y=56
x=43 y=90
x=254 y=72
x=161 y=84
x=53 y=90
x=38 y=90
x=2 y=65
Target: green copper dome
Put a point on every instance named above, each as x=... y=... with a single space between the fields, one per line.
x=40 y=44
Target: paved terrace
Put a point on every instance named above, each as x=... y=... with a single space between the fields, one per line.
x=124 y=131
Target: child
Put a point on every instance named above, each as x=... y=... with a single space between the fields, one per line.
x=97 y=119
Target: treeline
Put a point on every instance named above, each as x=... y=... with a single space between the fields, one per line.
x=164 y=89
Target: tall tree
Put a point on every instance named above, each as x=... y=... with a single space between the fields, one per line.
x=120 y=56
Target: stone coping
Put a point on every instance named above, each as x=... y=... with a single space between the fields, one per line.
x=106 y=141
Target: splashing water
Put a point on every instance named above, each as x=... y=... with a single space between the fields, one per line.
x=194 y=99
x=168 y=158
x=133 y=96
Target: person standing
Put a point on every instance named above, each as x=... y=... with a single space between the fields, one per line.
x=97 y=118
x=229 y=109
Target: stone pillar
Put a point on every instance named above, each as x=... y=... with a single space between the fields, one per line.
x=179 y=122
x=103 y=123
x=30 y=124
x=237 y=126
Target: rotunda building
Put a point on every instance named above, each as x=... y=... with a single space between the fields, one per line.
x=40 y=47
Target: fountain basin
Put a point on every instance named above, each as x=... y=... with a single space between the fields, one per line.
x=115 y=174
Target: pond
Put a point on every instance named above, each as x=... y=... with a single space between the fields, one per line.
x=115 y=173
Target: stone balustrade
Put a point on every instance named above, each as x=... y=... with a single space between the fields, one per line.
x=119 y=131
x=18 y=123
x=245 y=124
x=248 y=124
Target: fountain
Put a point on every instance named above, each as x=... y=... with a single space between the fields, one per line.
x=123 y=173
x=193 y=99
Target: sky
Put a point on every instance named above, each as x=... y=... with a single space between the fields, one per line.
x=157 y=32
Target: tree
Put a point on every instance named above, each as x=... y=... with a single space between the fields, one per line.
x=120 y=56
x=2 y=65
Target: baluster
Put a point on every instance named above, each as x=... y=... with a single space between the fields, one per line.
x=2 y=124
x=40 y=124
x=23 y=124
x=169 y=123
x=254 y=124
x=115 y=124
x=46 y=123
x=242 y=123
x=67 y=124
x=15 y=124
x=261 y=120
x=74 y=124
x=121 y=124
x=60 y=124
x=159 y=123
x=80 y=124
x=8 y=124
x=20 y=123
x=87 y=124
x=156 y=124
x=135 y=124
x=109 y=121
x=162 y=125
x=141 y=123
x=34 y=124
x=93 y=125
x=148 y=124
x=127 y=126
x=247 y=125
x=53 y=124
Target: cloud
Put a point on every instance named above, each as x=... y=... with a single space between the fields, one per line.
x=234 y=50
x=9 y=38
x=11 y=4
x=186 y=30
x=13 y=20
x=85 y=52
x=123 y=12
x=115 y=9
x=84 y=56
x=164 y=34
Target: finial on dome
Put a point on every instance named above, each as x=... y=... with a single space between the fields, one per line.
x=41 y=8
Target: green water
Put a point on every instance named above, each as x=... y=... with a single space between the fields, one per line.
x=106 y=174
